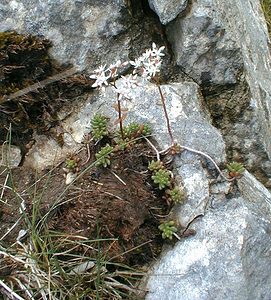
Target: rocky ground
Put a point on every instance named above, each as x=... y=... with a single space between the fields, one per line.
x=215 y=78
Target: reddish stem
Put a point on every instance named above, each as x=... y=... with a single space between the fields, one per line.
x=120 y=119
x=166 y=114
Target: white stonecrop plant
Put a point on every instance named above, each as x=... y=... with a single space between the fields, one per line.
x=146 y=66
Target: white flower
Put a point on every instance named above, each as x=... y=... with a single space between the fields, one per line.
x=149 y=63
x=113 y=69
x=146 y=55
x=137 y=63
x=101 y=77
x=151 y=68
x=130 y=81
x=157 y=53
x=126 y=86
x=100 y=70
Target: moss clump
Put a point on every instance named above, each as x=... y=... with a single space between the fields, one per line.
x=24 y=60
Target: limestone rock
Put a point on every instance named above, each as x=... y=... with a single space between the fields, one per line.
x=228 y=258
x=167 y=10
x=46 y=152
x=82 y=32
x=215 y=43
x=203 y=47
x=250 y=30
x=189 y=119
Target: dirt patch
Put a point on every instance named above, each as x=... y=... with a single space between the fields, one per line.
x=118 y=203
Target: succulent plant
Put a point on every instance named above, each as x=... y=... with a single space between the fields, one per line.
x=121 y=144
x=99 y=125
x=134 y=130
x=176 y=194
x=131 y=130
x=71 y=164
x=155 y=165
x=235 y=169
x=103 y=156
x=162 y=178
x=146 y=129
x=168 y=229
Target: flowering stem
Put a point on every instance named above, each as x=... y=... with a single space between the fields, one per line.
x=120 y=119
x=166 y=114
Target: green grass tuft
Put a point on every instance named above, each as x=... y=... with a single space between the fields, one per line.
x=266 y=6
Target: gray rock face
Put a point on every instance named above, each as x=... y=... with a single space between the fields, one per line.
x=203 y=47
x=215 y=43
x=46 y=152
x=189 y=121
x=79 y=30
x=167 y=10
x=229 y=258
x=254 y=45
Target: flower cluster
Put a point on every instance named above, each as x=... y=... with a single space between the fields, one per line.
x=149 y=63
x=102 y=75
x=147 y=66
x=125 y=89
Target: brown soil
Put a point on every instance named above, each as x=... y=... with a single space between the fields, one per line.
x=125 y=210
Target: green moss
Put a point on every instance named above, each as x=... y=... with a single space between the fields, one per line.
x=266 y=6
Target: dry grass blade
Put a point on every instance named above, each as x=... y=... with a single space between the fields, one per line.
x=9 y=292
x=40 y=84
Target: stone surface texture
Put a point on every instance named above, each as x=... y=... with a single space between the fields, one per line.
x=222 y=47
x=10 y=156
x=229 y=258
x=215 y=43
x=189 y=119
x=168 y=10
x=202 y=45
x=251 y=32
x=81 y=31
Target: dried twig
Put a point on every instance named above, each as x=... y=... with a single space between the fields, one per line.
x=124 y=183
x=38 y=85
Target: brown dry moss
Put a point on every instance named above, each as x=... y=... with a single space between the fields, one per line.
x=24 y=62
